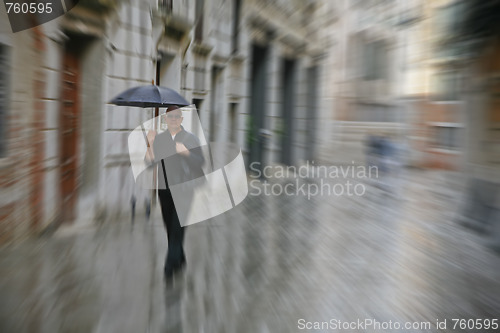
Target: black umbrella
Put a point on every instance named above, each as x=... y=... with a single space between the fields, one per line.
x=150 y=96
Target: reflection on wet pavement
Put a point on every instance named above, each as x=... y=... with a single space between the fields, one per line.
x=259 y=268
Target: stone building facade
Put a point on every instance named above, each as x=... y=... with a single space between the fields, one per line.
x=368 y=72
x=255 y=69
x=434 y=87
x=391 y=77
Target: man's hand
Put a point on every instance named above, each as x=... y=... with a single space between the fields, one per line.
x=181 y=149
x=150 y=156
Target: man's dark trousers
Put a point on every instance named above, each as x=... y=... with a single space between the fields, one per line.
x=175 y=232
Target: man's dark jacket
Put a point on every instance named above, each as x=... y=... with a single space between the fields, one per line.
x=178 y=168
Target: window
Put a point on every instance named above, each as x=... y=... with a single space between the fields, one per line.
x=233 y=126
x=236 y=26
x=198 y=104
x=446 y=136
x=216 y=98
x=449 y=18
x=199 y=9
x=4 y=101
x=446 y=86
x=375 y=60
x=448 y=23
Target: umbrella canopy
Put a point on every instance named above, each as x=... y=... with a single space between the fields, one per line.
x=149 y=96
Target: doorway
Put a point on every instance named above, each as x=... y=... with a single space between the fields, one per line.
x=288 y=84
x=69 y=131
x=258 y=97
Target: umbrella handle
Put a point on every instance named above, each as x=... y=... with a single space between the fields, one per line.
x=145 y=136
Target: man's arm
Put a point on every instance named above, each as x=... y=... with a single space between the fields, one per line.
x=194 y=157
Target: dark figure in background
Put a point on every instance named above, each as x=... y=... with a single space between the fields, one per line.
x=385 y=153
x=133 y=201
x=147 y=207
x=373 y=150
x=379 y=153
x=184 y=162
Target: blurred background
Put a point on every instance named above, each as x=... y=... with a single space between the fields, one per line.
x=411 y=86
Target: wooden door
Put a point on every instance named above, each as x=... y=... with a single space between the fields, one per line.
x=69 y=124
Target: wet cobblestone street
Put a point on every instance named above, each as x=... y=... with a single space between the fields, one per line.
x=261 y=267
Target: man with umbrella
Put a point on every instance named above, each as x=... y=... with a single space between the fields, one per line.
x=175 y=150
x=184 y=161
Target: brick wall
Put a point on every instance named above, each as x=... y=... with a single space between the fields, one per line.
x=20 y=169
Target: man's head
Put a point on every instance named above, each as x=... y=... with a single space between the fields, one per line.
x=174 y=118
